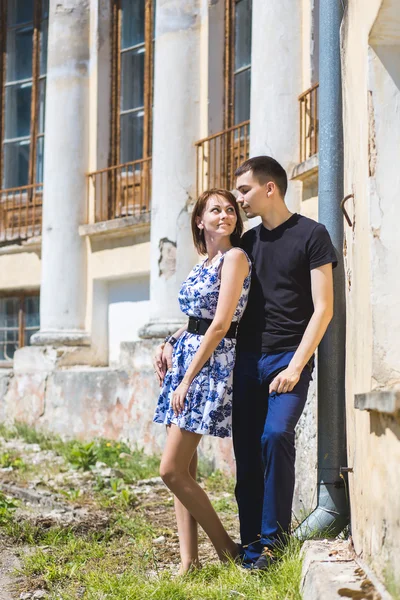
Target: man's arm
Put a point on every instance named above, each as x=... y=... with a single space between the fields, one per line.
x=322 y=295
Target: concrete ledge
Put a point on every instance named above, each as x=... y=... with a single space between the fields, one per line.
x=306 y=169
x=385 y=401
x=117 y=227
x=331 y=571
x=33 y=244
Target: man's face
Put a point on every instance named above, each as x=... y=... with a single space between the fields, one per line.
x=252 y=195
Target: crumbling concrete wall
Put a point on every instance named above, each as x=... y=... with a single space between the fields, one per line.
x=85 y=402
x=88 y=402
x=371 y=83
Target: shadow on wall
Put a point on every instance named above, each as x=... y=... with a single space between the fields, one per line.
x=380 y=424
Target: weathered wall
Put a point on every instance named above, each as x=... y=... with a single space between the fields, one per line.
x=20 y=270
x=305 y=492
x=118 y=403
x=86 y=402
x=371 y=130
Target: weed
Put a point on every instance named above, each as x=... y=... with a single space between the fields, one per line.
x=116 y=485
x=83 y=456
x=8 y=460
x=220 y=482
x=72 y=494
x=226 y=505
x=7 y=507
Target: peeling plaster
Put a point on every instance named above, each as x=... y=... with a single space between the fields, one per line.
x=371 y=136
x=167 y=258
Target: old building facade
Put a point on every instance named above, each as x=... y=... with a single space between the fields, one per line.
x=115 y=115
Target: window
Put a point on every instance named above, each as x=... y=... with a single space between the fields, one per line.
x=123 y=189
x=19 y=320
x=219 y=154
x=132 y=80
x=23 y=88
x=237 y=61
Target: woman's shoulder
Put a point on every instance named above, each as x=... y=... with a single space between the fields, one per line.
x=237 y=257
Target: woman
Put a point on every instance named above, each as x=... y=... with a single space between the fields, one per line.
x=196 y=395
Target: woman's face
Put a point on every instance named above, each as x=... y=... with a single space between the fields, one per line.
x=219 y=217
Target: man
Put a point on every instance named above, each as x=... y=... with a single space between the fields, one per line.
x=290 y=306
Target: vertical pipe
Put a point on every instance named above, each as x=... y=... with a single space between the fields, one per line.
x=332 y=511
x=331 y=373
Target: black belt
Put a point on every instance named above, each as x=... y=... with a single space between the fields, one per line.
x=200 y=326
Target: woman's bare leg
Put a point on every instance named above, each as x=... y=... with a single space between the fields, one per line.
x=174 y=470
x=187 y=529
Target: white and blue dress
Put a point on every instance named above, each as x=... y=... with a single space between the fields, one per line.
x=208 y=403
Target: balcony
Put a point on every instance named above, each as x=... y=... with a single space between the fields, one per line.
x=308 y=102
x=21 y=212
x=120 y=191
x=219 y=155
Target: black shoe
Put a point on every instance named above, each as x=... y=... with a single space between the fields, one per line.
x=265 y=560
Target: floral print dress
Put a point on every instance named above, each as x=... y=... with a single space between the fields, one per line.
x=208 y=403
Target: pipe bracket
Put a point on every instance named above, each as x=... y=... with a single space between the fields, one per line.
x=344 y=211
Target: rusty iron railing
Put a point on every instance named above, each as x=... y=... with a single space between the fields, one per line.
x=120 y=191
x=308 y=102
x=21 y=212
x=219 y=155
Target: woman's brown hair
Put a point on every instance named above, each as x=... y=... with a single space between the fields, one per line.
x=198 y=210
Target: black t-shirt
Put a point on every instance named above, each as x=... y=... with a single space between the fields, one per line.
x=280 y=302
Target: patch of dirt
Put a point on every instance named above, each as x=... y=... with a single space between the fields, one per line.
x=9 y=562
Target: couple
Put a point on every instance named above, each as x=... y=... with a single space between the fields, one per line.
x=250 y=380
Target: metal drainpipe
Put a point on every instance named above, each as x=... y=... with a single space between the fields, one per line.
x=332 y=512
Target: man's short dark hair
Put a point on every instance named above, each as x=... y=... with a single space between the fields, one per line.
x=264 y=168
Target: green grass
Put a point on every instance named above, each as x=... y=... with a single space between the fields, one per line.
x=134 y=463
x=226 y=505
x=125 y=566
x=392 y=584
x=121 y=572
x=115 y=558
x=220 y=482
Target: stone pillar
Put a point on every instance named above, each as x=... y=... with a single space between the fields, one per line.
x=63 y=285
x=275 y=86
x=175 y=130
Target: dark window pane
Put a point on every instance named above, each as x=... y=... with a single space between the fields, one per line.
x=132 y=23
x=18 y=110
x=243 y=34
x=19 y=54
x=132 y=79
x=242 y=96
x=45 y=9
x=28 y=335
x=16 y=164
x=43 y=47
x=8 y=346
x=9 y=309
x=19 y=11
x=132 y=136
x=31 y=310
x=41 y=105
x=39 y=160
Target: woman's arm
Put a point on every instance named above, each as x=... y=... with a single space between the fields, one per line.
x=163 y=356
x=233 y=273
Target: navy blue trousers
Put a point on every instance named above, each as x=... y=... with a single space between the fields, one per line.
x=263 y=440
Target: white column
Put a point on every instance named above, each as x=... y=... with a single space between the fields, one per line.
x=175 y=130
x=276 y=69
x=63 y=286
